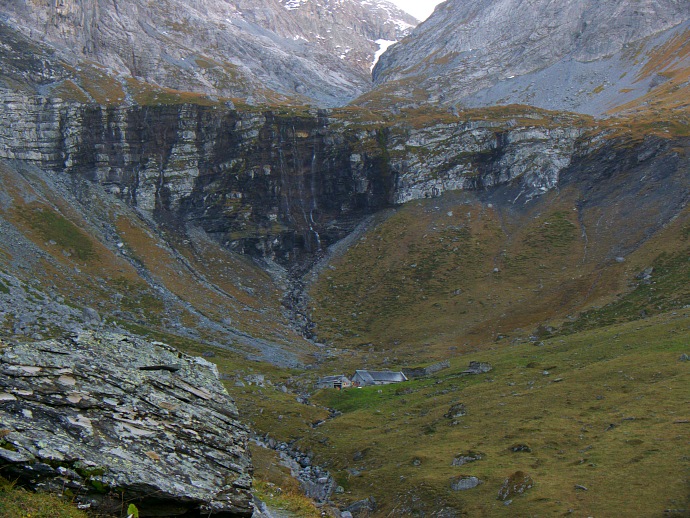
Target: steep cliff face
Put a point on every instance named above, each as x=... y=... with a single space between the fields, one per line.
x=268 y=49
x=581 y=56
x=275 y=185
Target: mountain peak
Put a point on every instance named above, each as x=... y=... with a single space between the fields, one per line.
x=474 y=53
x=315 y=52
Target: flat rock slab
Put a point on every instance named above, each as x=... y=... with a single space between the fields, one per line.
x=96 y=415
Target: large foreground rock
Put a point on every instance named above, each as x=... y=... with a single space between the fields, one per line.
x=114 y=418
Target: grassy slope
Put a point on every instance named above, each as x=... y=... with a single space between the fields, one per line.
x=16 y=502
x=456 y=272
x=88 y=269
x=627 y=376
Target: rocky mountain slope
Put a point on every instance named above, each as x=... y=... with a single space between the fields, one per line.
x=161 y=184
x=585 y=56
x=317 y=52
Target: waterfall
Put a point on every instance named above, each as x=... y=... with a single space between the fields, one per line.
x=313 y=197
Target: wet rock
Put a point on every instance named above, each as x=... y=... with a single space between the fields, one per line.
x=464 y=482
x=516 y=484
x=81 y=413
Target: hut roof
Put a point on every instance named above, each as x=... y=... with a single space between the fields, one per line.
x=381 y=376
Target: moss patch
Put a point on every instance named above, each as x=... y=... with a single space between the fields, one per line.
x=17 y=502
x=54 y=227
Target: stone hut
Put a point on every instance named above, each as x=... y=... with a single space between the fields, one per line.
x=363 y=378
x=339 y=381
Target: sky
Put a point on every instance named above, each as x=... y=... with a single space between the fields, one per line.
x=420 y=9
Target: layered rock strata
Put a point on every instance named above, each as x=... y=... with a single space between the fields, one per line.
x=109 y=418
x=277 y=185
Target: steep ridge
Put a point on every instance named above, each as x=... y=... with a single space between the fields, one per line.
x=578 y=56
x=312 y=51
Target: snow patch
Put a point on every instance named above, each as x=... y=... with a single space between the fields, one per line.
x=403 y=26
x=383 y=47
x=291 y=5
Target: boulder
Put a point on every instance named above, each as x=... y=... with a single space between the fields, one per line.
x=477 y=368
x=456 y=410
x=467 y=457
x=96 y=414
x=464 y=482
x=91 y=316
x=516 y=484
x=362 y=507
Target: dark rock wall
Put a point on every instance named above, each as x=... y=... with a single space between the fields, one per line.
x=261 y=183
x=286 y=185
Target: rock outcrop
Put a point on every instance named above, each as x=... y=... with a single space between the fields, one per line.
x=278 y=185
x=586 y=56
x=111 y=418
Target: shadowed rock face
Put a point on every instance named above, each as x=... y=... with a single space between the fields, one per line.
x=556 y=55
x=270 y=185
x=109 y=414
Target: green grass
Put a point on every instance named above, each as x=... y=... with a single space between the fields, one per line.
x=453 y=271
x=292 y=501
x=627 y=376
x=54 y=227
x=555 y=234
x=667 y=290
x=19 y=503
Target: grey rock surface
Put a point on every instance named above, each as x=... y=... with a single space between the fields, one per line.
x=362 y=507
x=317 y=52
x=464 y=482
x=315 y=481
x=581 y=56
x=194 y=162
x=516 y=484
x=476 y=367
x=92 y=413
x=456 y=410
x=467 y=457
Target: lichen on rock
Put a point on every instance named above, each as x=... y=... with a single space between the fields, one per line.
x=97 y=415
